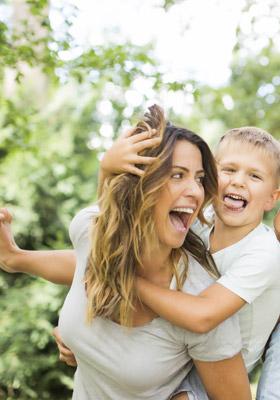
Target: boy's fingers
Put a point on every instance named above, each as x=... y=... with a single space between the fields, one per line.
x=65 y=351
x=57 y=337
x=145 y=144
x=71 y=361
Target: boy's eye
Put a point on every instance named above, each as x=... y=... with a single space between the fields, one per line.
x=257 y=177
x=228 y=169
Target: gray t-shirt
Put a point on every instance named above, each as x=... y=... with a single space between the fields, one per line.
x=145 y=362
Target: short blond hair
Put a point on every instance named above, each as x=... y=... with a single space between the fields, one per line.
x=256 y=137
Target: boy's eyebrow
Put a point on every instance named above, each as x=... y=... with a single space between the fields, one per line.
x=200 y=171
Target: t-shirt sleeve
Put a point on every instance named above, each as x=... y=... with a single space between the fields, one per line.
x=253 y=273
x=80 y=225
x=219 y=344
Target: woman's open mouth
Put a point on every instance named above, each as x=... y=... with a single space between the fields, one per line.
x=180 y=218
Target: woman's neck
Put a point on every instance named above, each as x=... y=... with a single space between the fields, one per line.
x=157 y=267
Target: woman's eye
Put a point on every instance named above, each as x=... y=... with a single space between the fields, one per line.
x=200 y=179
x=177 y=175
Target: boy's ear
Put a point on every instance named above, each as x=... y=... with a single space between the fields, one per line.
x=277 y=225
x=274 y=197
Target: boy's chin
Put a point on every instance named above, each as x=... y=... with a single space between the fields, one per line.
x=231 y=218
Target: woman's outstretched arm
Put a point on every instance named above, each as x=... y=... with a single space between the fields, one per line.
x=57 y=266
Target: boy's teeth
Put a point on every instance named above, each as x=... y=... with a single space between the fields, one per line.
x=184 y=209
x=235 y=196
x=235 y=201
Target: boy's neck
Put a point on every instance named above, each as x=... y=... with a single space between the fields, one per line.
x=223 y=236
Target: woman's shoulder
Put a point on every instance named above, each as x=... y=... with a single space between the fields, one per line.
x=197 y=277
x=80 y=224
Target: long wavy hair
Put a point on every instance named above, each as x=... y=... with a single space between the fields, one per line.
x=125 y=226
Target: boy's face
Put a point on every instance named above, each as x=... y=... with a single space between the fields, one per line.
x=247 y=184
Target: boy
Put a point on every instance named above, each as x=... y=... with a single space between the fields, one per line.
x=246 y=252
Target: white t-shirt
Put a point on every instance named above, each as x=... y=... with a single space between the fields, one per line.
x=251 y=269
x=145 y=362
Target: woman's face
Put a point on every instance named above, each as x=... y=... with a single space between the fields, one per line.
x=182 y=196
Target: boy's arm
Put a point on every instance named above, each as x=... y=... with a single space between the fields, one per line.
x=57 y=266
x=226 y=379
x=197 y=313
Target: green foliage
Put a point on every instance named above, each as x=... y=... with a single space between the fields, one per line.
x=29 y=367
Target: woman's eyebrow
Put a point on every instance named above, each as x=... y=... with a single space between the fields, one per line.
x=200 y=171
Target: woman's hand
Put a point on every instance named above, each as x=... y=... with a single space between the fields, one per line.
x=123 y=155
x=56 y=266
x=8 y=246
x=65 y=354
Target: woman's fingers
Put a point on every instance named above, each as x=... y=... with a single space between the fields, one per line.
x=131 y=169
x=140 y=160
x=144 y=160
x=5 y=215
x=144 y=135
x=127 y=133
x=145 y=144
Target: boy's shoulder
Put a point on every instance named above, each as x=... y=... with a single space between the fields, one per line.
x=256 y=257
x=262 y=238
x=260 y=246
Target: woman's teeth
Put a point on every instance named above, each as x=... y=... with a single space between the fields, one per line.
x=187 y=210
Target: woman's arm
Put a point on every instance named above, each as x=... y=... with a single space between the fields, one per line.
x=197 y=313
x=57 y=266
x=226 y=379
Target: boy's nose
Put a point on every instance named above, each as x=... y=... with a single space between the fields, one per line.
x=238 y=179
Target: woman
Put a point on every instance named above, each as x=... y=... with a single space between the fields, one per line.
x=122 y=350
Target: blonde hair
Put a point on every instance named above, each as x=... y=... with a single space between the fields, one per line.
x=256 y=137
x=125 y=226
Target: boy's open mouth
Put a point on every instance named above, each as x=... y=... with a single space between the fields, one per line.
x=180 y=217
x=235 y=202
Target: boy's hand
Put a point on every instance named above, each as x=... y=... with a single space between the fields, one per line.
x=8 y=246
x=277 y=225
x=65 y=354
x=123 y=155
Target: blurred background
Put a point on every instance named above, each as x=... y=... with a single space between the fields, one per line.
x=73 y=75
